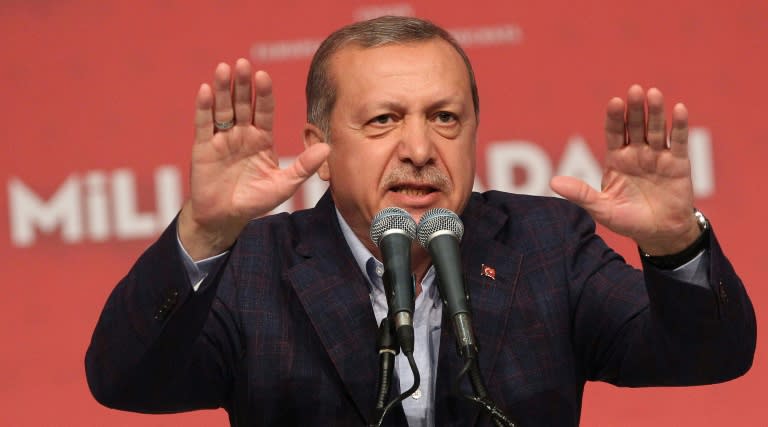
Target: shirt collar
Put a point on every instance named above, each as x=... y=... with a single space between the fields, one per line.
x=363 y=256
x=371 y=267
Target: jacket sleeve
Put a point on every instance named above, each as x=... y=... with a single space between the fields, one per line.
x=646 y=328
x=158 y=345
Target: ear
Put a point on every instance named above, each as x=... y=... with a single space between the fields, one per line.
x=313 y=135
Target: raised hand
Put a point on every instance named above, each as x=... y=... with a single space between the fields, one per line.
x=647 y=193
x=235 y=175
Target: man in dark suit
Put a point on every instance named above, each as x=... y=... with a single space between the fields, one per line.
x=275 y=319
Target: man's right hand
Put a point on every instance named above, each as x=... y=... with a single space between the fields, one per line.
x=235 y=175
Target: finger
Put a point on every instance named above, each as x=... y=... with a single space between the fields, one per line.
x=222 y=82
x=264 y=109
x=204 y=114
x=678 y=135
x=580 y=193
x=656 y=134
x=242 y=96
x=307 y=163
x=615 y=131
x=636 y=115
x=577 y=191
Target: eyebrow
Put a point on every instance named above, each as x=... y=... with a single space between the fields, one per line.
x=398 y=106
x=449 y=100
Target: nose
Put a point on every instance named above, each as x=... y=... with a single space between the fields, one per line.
x=416 y=145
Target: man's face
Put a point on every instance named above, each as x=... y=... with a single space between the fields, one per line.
x=402 y=131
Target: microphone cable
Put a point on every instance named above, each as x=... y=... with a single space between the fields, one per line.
x=471 y=369
x=410 y=391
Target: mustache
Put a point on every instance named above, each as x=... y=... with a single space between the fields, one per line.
x=428 y=176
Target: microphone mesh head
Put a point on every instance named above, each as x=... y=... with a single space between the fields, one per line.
x=392 y=219
x=439 y=219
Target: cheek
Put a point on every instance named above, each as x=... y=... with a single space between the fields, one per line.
x=461 y=164
x=357 y=171
x=468 y=176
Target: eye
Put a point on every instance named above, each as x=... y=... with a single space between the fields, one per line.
x=381 y=119
x=445 y=117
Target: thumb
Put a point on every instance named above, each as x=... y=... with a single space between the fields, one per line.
x=576 y=190
x=308 y=162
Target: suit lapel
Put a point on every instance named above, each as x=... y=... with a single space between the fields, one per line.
x=491 y=293
x=334 y=294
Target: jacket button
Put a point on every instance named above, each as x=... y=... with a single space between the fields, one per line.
x=722 y=293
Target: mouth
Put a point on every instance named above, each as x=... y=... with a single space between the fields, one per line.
x=413 y=190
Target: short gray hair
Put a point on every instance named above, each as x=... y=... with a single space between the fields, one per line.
x=321 y=88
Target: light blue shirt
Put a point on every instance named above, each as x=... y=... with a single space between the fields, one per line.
x=427 y=316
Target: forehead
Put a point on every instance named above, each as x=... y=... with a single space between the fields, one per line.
x=419 y=67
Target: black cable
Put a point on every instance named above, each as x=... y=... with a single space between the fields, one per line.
x=473 y=373
x=471 y=368
x=410 y=391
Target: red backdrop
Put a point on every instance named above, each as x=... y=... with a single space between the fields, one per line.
x=97 y=107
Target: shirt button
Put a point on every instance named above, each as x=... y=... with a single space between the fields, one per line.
x=416 y=394
x=379 y=271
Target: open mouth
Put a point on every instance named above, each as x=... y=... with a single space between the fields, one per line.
x=411 y=190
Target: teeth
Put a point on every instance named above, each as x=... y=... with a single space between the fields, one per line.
x=409 y=191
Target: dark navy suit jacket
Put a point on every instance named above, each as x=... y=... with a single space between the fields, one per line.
x=282 y=332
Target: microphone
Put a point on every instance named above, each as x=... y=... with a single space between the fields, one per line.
x=440 y=231
x=393 y=230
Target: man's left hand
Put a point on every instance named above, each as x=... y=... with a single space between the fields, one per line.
x=647 y=193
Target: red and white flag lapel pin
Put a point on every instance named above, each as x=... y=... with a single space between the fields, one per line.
x=488 y=271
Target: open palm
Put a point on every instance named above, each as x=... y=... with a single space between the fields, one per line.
x=646 y=191
x=235 y=174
